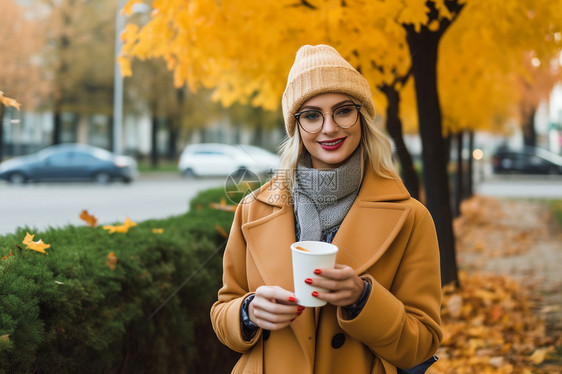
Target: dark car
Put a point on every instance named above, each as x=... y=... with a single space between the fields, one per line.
x=528 y=160
x=69 y=162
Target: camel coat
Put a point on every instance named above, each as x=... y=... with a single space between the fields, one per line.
x=387 y=237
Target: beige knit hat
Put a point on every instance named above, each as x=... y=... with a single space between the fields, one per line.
x=321 y=69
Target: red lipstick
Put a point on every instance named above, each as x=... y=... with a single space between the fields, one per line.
x=332 y=145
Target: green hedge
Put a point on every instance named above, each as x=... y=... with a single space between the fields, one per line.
x=68 y=311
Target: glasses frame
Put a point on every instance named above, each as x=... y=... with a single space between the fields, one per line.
x=298 y=114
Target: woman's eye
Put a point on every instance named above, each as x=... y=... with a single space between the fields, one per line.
x=343 y=111
x=311 y=116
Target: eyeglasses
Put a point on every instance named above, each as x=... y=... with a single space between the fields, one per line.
x=344 y=116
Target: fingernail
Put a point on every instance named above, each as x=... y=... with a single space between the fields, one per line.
x=300 y=308
x=299 y=313
x=317 y=271
x=293 y=319
x=314 y=293
x=308 y=281
x=292 y=299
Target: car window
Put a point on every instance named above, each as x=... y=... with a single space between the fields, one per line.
x=82 y=158
x=208 y=153
x=59 y=159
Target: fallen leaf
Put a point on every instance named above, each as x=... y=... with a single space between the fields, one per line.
x=5 y=338
x=124 y=228
x=157 y=231
x=89 y=219
x=111 y=260
x=221 y=231
x=5 y=257
x=37 y=246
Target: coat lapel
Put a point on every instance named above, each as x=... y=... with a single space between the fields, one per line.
x=269 y=240
x=372 y=223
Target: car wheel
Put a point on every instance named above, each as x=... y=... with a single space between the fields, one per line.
x=188 y=173
x=17 y=178
x=102 y=178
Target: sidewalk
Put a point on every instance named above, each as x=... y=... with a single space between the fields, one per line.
x=520 y=239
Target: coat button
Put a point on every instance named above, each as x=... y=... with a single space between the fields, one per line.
x=265 y=334
x=338 y=340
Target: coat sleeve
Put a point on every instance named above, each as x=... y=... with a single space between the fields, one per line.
x=403 y=325
x=225 y=312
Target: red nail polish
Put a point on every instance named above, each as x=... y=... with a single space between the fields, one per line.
x=292 y=299
x=317 y=271
x=314 y=293
x=299 y=313
x=308 y=281
x=293 y=319
x=300 y=308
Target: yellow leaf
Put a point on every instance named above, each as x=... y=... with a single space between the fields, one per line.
x=125 y=65
x=111 y=260
x=539 y=355
x=124 y=228
x=157 y=231
x=90 y=220
x=5 y=338
x=37 y=246
x=128 y=8
x=221 y=231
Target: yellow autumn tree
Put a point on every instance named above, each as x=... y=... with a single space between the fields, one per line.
x=243 y=53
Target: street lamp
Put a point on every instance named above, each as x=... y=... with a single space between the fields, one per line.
x=117 y=77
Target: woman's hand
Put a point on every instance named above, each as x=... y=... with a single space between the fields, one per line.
x=273 y=308
x=343 y=285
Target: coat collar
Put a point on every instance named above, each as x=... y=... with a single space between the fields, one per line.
x=367 y=231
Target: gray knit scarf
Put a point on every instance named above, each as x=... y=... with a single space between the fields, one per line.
x=322 y=198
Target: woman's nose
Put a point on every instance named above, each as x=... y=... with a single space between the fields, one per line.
x=329 y=126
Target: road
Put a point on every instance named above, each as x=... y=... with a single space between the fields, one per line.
x=40 y=205
x=158 y=195
x=521 y=186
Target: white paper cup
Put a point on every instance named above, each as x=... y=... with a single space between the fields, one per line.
x=317 y=255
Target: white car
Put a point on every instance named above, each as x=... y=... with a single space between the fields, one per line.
x=216 y=159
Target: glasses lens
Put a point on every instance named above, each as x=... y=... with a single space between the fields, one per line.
x=346 y=116
x=311 y=120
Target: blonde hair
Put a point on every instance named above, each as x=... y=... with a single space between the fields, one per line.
x=373 y=142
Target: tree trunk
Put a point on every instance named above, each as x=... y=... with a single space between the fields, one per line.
x=529 y=132
x=172 y=139
x=423 y=50
x=394 y=129
x=154 y=142
x=459 y=183
x=469 y=190
x=1 y=132
x=57 y=124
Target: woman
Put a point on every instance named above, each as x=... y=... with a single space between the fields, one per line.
x=337 y=184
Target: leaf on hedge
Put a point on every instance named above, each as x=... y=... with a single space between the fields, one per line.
x=37 y=246
x=221 y=231
x=124 y=228
x=88 y=218
x=5 y=257
x=5 y=338
x=157 y=231
x=223 y=206
x=111 y=260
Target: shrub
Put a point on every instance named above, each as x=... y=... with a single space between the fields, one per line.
x=68 y=311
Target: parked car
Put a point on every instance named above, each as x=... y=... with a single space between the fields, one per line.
x=215 y=159
x=528 y=160
x=69 y=162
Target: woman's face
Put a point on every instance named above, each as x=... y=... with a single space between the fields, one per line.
x=332 y=145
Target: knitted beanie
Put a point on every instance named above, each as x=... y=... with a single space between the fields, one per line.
x=321 y=69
